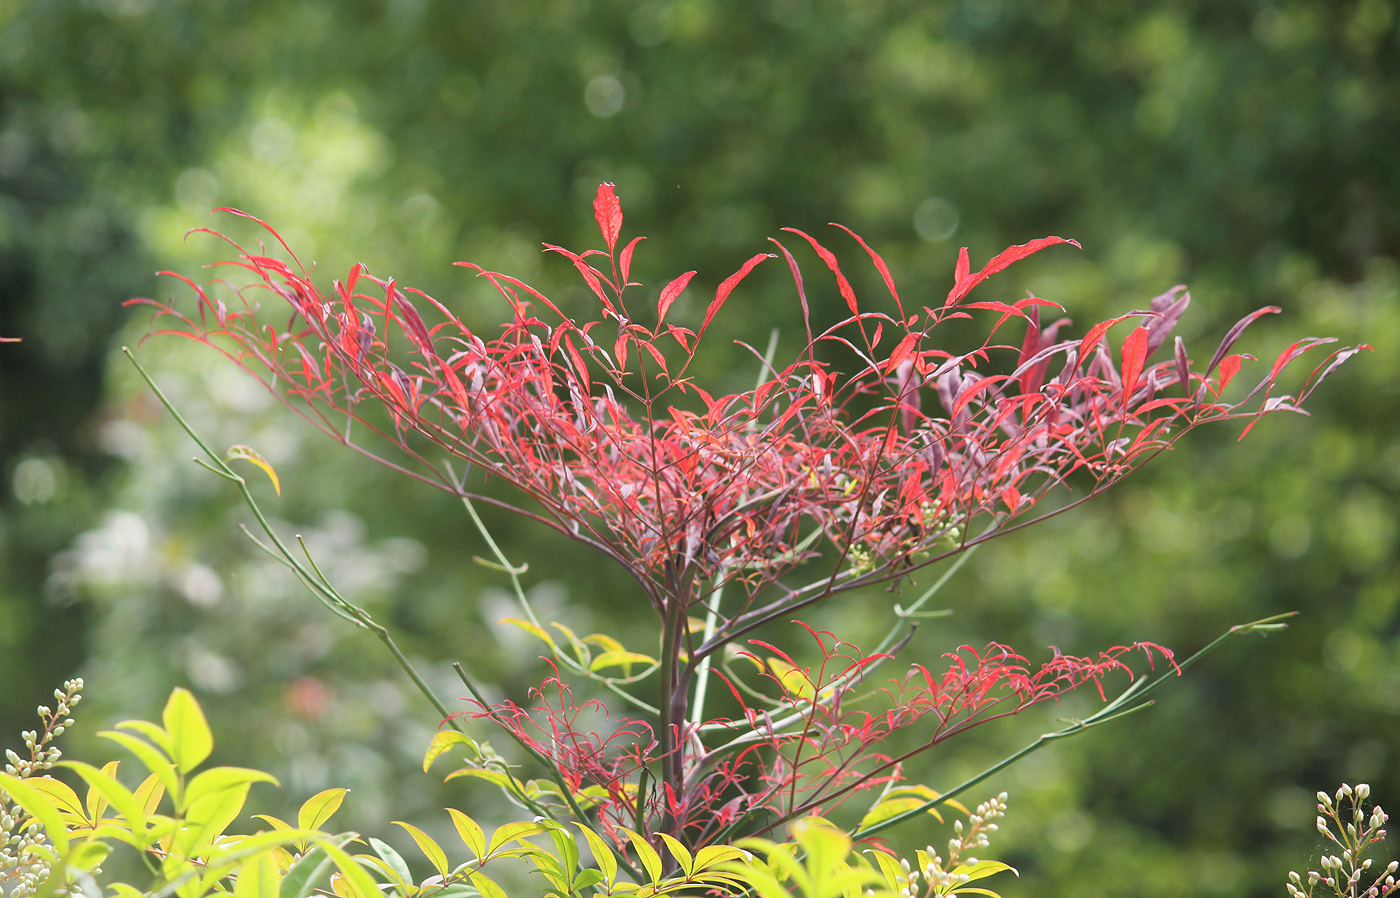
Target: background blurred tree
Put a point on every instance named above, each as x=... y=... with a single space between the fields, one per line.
x=1243 y=148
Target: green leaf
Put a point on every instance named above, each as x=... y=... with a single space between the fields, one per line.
x=396 y=864
x=307 y=874
x=432 y=849
x=190 y=739
x=252 y=456
x=38 y=805
x=580 y=650
x=443 y=741
x=151 y=731
x=319 y=808
x=87 y=855
x=355 y=875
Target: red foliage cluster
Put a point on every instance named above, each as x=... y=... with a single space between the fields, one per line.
x=860 y=472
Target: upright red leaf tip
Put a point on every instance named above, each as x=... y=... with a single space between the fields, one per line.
x=607 y=209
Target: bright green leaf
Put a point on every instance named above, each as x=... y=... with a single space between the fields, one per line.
x=115 y=793
x=602 y=853
x=190 y=739
x=156 y=761
x=487 y=886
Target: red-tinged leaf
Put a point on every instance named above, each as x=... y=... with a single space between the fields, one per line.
x=970 y=393
x=1134 y=355
x=591 y=276
x=624 y=261
x=728 y=286
x=963 y=281
x=801 y=293
x=1091 y=339
x=681 y=336
x=829 y=258
x=620 y=350
x=880 y=266
x=669 y=294
x=1183 y=365
x=1233 y=334
x=901 y=352
x=607 y=209
x=656 y=354
x=579 y=365
x=1229 y=367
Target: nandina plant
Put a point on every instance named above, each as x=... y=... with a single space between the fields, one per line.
x=876 y=453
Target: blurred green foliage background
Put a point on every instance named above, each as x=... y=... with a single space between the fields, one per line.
x=1246 y=148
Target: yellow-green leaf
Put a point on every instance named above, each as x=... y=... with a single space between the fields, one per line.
x=580 y=650
x=39 y=806
x=319 y=808
x=443 y=741
x=258 y=878
x=487 y=886
x=155 y=760
x=602 y=854
x=530 y=628
x=513 y=832
x=622 y=659
x=190 y=739
x=680 y=853
x=603 y=641
x=647 y=855
x=87 y=855
x=494 y=777
x=115 y=793
x=712 y=855
x=253 y=456
x=794 y=680
x=62 y=798
x=431 y=849
x=473 y=836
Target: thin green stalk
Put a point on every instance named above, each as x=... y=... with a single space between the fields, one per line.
x=313 y=579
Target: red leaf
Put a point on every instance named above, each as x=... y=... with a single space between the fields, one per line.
x=728 y=287
x=1096 y=333
x=625 y=260
x=963 y=281
x=1134 y=354
x=579 y=365
x=1229 y=367
x=669 y=294
x=607 y=209
x=880 y=266
x=830 y=259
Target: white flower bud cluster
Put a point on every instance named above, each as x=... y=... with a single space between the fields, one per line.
x=1344 y=821
x=932 y=875
x=21 y=869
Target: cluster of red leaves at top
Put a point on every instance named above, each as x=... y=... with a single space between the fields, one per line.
x=598 y=424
